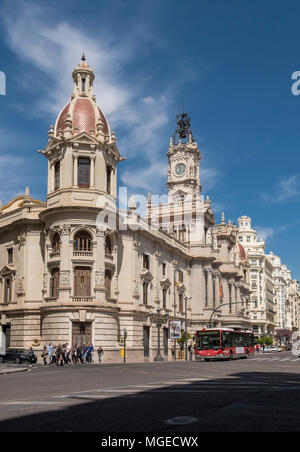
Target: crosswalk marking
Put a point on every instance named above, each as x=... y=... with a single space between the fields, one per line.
x=272 y=358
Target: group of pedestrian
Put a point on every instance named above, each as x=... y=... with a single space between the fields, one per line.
x=64 y=354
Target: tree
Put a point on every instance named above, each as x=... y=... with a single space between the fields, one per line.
x=283 y=335
x=183 y=339
x=265 y=340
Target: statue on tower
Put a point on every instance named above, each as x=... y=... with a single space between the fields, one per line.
x=184 y=127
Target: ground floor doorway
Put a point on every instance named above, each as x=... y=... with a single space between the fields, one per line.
x=81 y=333
x=146 y=337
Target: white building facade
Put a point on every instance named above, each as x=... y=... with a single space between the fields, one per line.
x=263 y=308
x=275 y=295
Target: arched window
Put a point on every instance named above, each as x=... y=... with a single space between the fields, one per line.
x=56 y=243
x=83 y=241
x=108 y=245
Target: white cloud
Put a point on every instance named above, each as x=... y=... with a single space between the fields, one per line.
x=209 y=177
x=140 y=112
x=264 y=233
x=145 y=179
x=287 y=189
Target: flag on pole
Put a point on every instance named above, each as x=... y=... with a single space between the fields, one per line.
x=221 y=289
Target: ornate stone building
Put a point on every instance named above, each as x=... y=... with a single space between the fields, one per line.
x=263 y=307
x=75 y=269
x=275 y=295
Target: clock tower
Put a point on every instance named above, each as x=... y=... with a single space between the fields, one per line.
x=184 y=158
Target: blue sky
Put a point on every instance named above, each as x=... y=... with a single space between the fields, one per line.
x=229 y=63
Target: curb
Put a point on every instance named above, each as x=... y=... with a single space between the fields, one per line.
x=12 y=371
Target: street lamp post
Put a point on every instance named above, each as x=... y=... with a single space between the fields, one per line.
x=159 y=321
x=186 y=299
x=221 y=306
x=125 y=337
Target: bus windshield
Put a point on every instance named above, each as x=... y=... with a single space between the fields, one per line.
x=208 y=340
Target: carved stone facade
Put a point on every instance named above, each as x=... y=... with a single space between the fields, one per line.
x=65 y=264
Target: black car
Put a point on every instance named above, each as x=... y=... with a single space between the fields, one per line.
x=18 y=356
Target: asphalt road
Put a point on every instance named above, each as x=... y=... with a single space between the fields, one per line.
x=260 y=394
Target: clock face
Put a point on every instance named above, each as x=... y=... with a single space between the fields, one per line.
x=180 y=169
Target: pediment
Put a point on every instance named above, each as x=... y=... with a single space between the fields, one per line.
x=84 y=138
x=52 y=144
x=181 y=288
x=165 y=282
x=146 y=275
x=179 y=195
x=7 y=270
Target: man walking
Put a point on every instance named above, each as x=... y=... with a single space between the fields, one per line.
x=190 y=349
x=50 y=351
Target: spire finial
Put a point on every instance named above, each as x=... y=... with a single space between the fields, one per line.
x=83 y=57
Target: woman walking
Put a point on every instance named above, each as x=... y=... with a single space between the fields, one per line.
x=100 y=353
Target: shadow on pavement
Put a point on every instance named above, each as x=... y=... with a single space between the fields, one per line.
x=242 y=402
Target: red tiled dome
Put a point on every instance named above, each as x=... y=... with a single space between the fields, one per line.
x=239 y=251
x=84 y=115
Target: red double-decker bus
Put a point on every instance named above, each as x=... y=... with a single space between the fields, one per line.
x=223 y=344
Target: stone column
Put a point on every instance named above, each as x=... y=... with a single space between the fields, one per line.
x=225 y=295
x=75 y=177
x=65 y=260
x=234 y=306
x=49 y=177
x=238 y=296
x=202 y=287
x=22 y=269
x=217 y=289
x=46 y=276
x=210 y=296
x=93 y=172
x=99 y=254
x=157 y=288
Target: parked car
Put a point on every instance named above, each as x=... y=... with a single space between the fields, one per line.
x=18 y=356
x=270 y=349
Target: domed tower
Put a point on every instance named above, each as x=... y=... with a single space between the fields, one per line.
x=81 y=151
x=82 y=193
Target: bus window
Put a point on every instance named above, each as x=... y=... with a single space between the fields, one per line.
x=227 y=339
x=241 y=340
x=208 y=340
